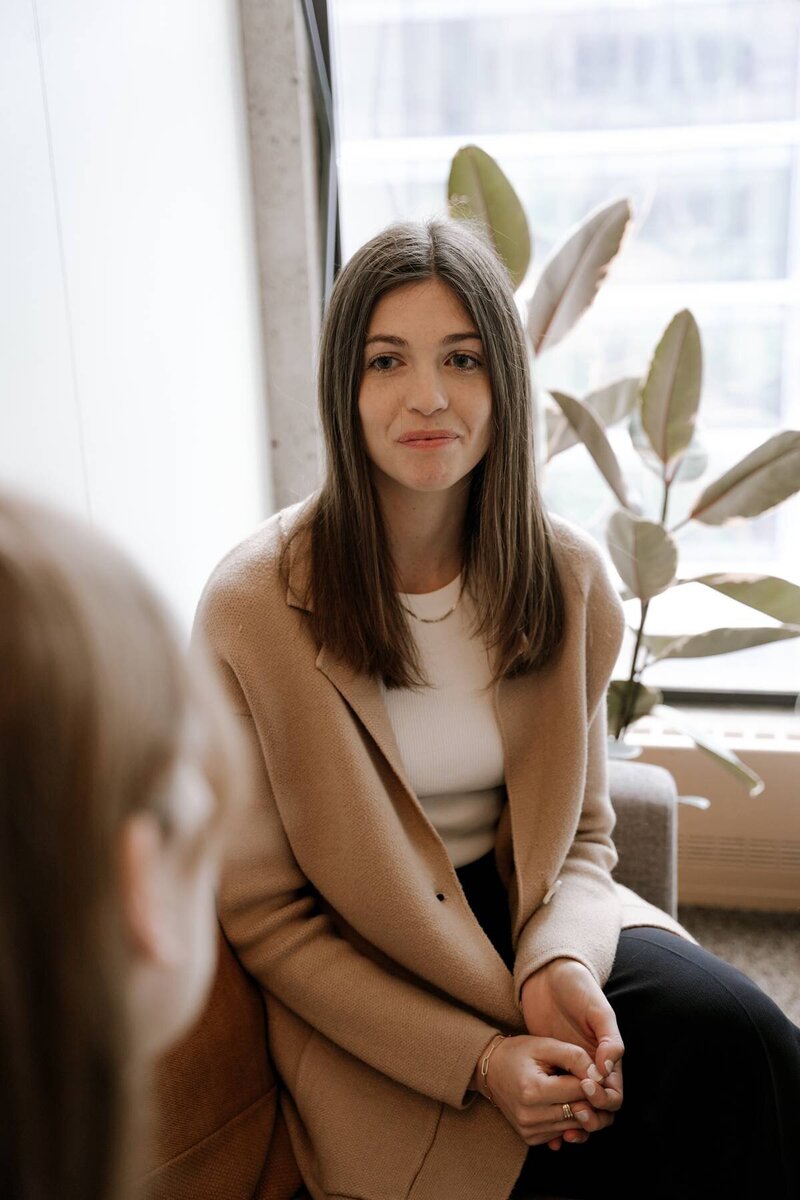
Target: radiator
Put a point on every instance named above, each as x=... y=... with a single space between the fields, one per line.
x=742 y=851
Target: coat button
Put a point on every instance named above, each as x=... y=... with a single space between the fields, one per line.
x=549 y=895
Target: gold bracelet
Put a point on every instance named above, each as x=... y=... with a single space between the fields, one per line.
x=485 y=1063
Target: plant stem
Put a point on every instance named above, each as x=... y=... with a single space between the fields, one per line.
x=630 y=690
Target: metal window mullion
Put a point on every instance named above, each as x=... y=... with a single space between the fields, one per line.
x=320 y=52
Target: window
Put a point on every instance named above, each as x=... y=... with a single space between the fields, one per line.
x=690 y=109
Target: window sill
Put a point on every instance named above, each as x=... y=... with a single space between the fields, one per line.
x=741 y=728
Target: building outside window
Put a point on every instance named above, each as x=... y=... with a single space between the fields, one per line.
x=690 y=110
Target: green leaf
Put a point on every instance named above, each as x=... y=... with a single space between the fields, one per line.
x=641 y=444
x=644 y=700
x=715 y=641
x=478 y=188
x=559 y=432
x=573 y=273
x=769 y=594
x=609 y=404
x=591 y=432
x=645 y=555
x=715 y=748
x=764 y=478
x=614 y=401
x=671 y=391
x=694 y=462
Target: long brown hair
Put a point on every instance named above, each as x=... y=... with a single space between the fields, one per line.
x=97 y=702
x=507 y=559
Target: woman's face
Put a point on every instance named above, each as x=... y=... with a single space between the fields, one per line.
x=425 y=398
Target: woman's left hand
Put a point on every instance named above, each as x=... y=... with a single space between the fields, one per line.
x=563 y=1000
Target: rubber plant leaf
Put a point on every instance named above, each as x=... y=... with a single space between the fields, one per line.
x=763 y=479
x=643 y=552
x=713 y=747
x=671 y=391
x=573 y=274
x=609 y=404
x=644 y=700
x=715 y=641
x=588 y=428
x=478 y=188
x=769 y=594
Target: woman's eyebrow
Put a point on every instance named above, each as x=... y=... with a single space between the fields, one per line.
x=394 y=340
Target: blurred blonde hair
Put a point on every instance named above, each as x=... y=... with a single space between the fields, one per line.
x=98 y=703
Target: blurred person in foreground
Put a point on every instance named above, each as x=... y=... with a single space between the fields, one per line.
x=118 y=760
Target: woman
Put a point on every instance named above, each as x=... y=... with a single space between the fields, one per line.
x=422 y=880
x=116 y=763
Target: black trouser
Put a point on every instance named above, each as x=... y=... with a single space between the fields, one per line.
x=711 y=1076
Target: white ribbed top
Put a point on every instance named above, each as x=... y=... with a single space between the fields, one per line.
x=447 y=734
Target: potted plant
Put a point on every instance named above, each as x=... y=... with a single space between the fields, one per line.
x=660 y=410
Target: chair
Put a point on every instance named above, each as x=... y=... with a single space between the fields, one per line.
x=216 y=1103
x=646 y=834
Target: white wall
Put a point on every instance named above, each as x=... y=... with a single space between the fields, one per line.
x=131 y=380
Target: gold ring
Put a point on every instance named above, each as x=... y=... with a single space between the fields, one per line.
x=569 y=1115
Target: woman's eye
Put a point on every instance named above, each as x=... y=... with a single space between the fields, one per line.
x=468 y=361
x=382 y=363
x=382 y=359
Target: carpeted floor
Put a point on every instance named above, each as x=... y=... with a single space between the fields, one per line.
x=766 y=946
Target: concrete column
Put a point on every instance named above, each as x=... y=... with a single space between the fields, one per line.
x=284 y=165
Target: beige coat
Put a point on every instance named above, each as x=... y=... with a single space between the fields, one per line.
x=340 y=897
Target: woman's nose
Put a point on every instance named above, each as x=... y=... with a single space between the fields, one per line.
x=426 y=394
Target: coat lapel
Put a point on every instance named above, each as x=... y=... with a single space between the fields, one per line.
x=363 y=695
x=540 y=719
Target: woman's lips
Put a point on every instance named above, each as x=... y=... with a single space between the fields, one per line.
x=426 y=441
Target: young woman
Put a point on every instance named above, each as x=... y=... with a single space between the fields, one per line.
x=117 y=759
x=421 y=880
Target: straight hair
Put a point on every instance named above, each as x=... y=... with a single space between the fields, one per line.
x=97 y=705
x=507 y=558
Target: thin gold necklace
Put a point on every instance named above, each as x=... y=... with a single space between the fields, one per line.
x=435 y=620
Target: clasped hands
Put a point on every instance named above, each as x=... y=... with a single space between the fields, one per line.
x=573 y=1055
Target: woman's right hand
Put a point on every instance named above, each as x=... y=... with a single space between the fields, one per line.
x=523 y=1081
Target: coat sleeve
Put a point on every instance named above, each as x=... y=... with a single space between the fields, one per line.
x=271 y=916
x=583 y=918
